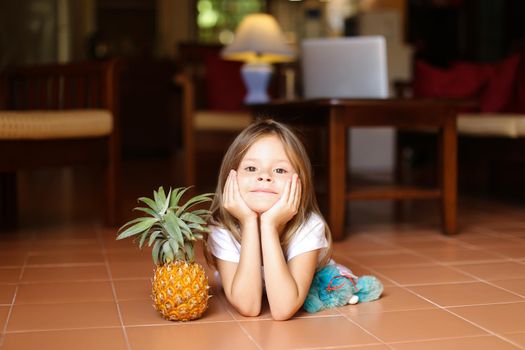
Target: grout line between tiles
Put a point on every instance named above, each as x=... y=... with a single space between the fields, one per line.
x=66 y=265
x=20 y=275
x=452 y=267
x=113 y=288
x=487 y=304
x=361 y=327
x=448 y=310
x=177 y=323
x=342 y=346
x=442 y=338
x=457 y=282
x=476 y=278
x=239 y=324
x=245 y=331
x=41 y=330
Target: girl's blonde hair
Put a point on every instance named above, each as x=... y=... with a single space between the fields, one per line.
x=298 y=157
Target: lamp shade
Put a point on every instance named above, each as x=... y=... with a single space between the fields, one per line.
x=258 y=39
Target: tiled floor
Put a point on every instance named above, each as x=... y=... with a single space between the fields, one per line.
x=77 y=288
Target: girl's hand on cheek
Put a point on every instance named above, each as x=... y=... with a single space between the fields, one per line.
x=233 y=201
x=286 y=207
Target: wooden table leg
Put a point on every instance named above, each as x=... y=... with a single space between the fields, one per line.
x=448 y=168
x=336 y=177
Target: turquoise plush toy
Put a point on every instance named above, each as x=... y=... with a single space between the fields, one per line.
x=332 y=288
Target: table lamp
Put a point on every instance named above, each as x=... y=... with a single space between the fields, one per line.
x=258 y=42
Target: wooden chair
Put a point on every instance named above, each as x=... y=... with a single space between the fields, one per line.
x=58 y=114
x=216 y=110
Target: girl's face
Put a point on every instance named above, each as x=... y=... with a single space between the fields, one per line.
x=263 y=173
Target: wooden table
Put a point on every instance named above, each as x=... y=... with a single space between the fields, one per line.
x=337 y=115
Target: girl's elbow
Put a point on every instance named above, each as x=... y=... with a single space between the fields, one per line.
x=249 y=310
x=250 y=313
x=253 y=312
x=283 y=314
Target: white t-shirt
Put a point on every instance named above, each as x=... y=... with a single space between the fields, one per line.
x=310 y=236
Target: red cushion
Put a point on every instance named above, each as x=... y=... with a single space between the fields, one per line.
x=225 y=89
x=519 y=98
x=461 y=80
x=499 y=92
x=492 y=84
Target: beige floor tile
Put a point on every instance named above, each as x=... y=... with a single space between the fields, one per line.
x=488 y=238
x=442 y=242
x=9 y=274
x=393 y=299
x=54 y=258
x=494 y=271
x=459 y=255
x=12 y=259
x=13 y=244
x=82 y=339
x=423 y=274
x=464 y=294
x=501 y=318
x=60 y=246
x=142 y=312
x=473 y=343
x=133 y=289
x=357 y=269
x=64 y=292
x=307 y=333
x=222 y=335
x=32 y=317
x=110 y=243
x=395 y=238
x=514 y=285
x=65 y=273
x=81 y=240
x=391 y=259
x=514 y=251
x=7 y=291
x=363 y=245
x=413 y=253
x=134 y=269
x=73 y=234
x=4 y=311
x=488 y=241
x=130 y=255
x=365 y=347
x=398 y=326
x=518 y=338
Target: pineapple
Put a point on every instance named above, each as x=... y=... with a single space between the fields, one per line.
x=179 y=286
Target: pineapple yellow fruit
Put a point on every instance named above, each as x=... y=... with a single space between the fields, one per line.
x=180 y=285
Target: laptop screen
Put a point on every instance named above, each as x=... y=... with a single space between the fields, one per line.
x=351 y=67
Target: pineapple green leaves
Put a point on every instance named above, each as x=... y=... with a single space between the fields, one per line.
x=169 y=226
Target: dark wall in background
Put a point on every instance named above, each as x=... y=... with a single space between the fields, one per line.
x=28 y=32
x=476 y=30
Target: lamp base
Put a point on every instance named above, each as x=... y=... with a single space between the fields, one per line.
x=256 y=77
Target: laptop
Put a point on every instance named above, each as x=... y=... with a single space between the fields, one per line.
x=351 y=67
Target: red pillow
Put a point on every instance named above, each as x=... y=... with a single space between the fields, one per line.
x=225 y=89
x=502 y=79
x=493 y=85
x=461 y=80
